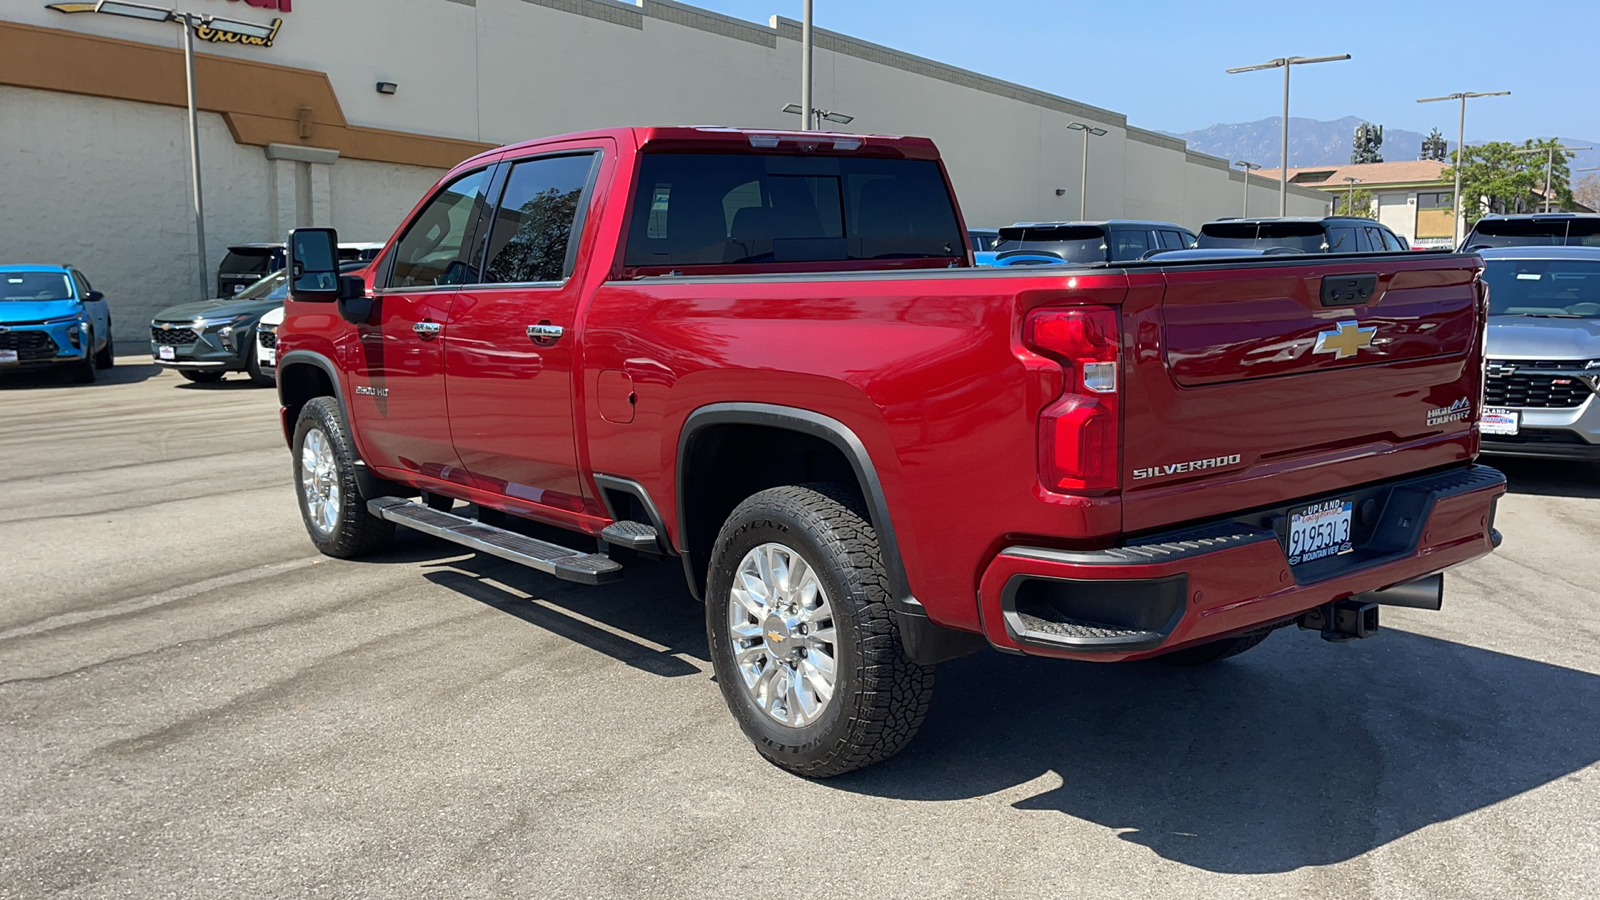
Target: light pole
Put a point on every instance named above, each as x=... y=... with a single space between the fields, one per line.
x=1248 y=167
x=188 y=22
x=1286 y=63
x=805 y=68
x=1350 y=194
x=1461 y=138
x=1549 y=165
x=1083 y=193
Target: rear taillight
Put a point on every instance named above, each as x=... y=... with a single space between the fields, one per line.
x=1079 y=431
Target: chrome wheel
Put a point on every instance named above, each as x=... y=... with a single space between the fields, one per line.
x=781 y=626
x=319 y=481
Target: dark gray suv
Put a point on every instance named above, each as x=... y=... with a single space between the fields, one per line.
x=1330 y=234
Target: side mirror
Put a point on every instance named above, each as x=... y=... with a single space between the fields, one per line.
x=314 y=265
x=94 y=296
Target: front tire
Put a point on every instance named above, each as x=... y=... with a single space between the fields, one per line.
x=806 y=648
x=83 y=371
x=252 y=367
x=107 y=357
x=331 y=503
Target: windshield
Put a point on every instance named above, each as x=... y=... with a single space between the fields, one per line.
x=272 y=287
x=1557 y=288
x=34 y=286
x=1535 y=232
x=1070 y=243
x=1304 y=237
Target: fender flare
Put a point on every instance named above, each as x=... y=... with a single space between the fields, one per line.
x=816 y=424
x=368 y=482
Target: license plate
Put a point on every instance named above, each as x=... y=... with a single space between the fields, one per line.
x=1319 y=531
x=169 y=352
x=1499 y=421
x=237 y=288
x=8 y=356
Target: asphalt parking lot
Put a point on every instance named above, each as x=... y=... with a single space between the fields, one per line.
x=193 y=703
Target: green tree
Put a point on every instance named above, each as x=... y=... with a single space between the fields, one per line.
x=1360 y=203
x=1497 y=179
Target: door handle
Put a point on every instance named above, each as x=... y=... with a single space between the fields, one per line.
x=545 y=333
x=427 y=329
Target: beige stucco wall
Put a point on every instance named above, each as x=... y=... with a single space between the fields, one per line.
x=506 y=70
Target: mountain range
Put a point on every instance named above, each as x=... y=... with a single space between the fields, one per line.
x=1317 y=143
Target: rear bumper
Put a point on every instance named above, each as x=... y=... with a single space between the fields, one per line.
x=1195 y=585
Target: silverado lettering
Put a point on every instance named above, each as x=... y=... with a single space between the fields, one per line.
x=769 y=357
x=1214 y=462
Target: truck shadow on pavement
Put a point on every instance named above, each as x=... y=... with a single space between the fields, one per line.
x=1299 y=754
x=647 y=621
x=1549 y=478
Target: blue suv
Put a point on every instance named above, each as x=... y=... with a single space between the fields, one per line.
x=50 y=316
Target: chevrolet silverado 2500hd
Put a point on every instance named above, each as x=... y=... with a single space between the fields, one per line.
x=768 y=355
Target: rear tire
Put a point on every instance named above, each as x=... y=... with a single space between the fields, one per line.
x=107 y=358
x=806 y=649
x=1201 y=654
x=201 y=377
x=252 y=367
x=331 y=503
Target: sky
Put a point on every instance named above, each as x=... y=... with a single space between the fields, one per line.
x=1162 y=63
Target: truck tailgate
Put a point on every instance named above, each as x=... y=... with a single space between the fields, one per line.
x=1249 y=386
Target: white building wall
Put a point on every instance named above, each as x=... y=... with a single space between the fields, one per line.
x=500 y=71
x=104 y=185
x=1397 y=210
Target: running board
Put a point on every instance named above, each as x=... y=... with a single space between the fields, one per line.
x=552 y=559
x=633 y=535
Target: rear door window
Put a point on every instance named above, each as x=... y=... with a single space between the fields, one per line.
x=714 y=209
x=431 y=251
x=1342 y=239
x=532 y=236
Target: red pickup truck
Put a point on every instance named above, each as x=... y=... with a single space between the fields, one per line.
x=768 y=355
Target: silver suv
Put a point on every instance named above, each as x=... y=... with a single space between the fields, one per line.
x=1544 y=352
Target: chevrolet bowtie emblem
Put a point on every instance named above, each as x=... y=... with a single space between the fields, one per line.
x=776 y=636
x=1345 y=340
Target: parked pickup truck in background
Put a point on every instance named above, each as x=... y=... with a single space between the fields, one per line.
x=768 y=355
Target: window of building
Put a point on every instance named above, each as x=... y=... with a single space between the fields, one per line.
x=430 y=252
x=532 y=235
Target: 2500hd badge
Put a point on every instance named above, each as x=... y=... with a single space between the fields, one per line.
x=1196 y=465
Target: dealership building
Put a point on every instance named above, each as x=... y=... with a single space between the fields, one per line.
x=350 y=109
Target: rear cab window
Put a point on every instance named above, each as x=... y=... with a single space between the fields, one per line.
x=1575 y=232
x=1302 y=237
x=1069 y=243
x=739 y=209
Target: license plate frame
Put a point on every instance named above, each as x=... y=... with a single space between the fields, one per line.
x=9 y=358
x=167 y=353
x=1500 y=420
x=1319 y=530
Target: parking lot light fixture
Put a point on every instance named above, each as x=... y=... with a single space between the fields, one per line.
x=1083 y=193
x=818 y=116
x=136 y=11
x=1247 y=167
x=1286 y=63
x=238 y=28
x=1461 y=137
